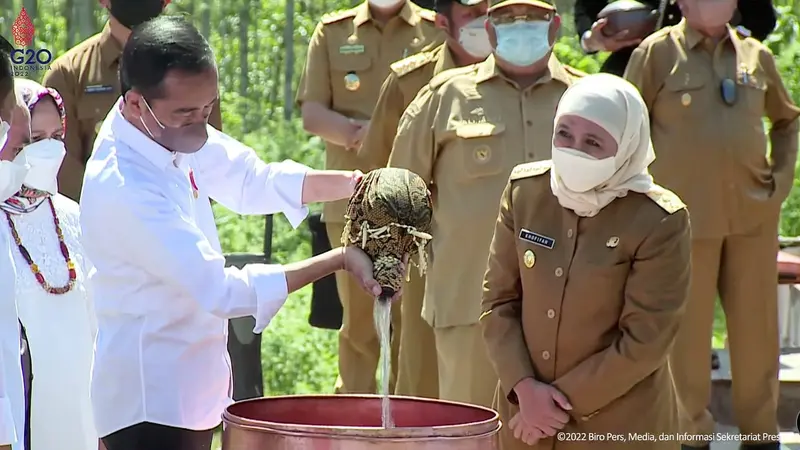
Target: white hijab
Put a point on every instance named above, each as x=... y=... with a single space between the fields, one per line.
x=616 y=105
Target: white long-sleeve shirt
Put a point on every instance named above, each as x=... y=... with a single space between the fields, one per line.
x=12 y=391
x=163 y=295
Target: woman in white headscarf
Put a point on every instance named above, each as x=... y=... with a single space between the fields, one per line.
x=586 y=283
x=52 y=297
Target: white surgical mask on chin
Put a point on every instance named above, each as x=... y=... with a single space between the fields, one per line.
x=385 y=3
x=45 y=158
x=523 y=43
x=12 y=174
x=581 y=172
x=473 y=38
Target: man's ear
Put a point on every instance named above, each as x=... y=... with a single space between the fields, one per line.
x=134 y=103
x=491 y=32
x=555 y=25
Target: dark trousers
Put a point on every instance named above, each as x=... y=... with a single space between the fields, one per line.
x=27 y=377
x=151 y=436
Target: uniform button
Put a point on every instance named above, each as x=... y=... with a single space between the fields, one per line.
x=530 y=155
x=585 y=418
x=546 y=355
x=559 y=271
x=570 y=233
x=551 y=313
x=671 y=16
x=529 y=122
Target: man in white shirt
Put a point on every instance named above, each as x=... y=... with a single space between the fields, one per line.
x=14 y=131
x=161 y=375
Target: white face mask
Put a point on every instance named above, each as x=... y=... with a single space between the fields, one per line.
x=45 y=158
x=581 y=172
x=473 y=38
x=385 y=4
x=12 y=174
x=523 y=43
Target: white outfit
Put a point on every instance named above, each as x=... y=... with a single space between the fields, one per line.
x=60 y=328
x=163 y=294
x=12 y=391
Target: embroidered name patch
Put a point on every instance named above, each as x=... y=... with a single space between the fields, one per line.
x=99 y=89
x=536 y=238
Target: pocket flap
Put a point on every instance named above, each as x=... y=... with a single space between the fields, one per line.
x=351 y=63
x=475 y=130
x=684 y=82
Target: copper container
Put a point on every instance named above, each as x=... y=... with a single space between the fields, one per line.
x=353 y=422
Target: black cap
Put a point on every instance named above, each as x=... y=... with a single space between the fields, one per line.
x=437 y=4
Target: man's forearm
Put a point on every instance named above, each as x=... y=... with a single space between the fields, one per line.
x=320 y=186
x=330 y=125
x=303 y=273
x=784 y=142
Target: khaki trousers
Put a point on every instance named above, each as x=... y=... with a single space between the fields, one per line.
x=417 y=365
x=359 y=345
x=465 y=372
x=743 y=270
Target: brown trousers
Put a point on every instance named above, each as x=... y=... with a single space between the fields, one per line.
x=466 y=373
x=743 y=270
x=417 y=365
x=359 y=345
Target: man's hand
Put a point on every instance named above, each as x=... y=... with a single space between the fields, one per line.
x=528 y=435
x=541 y=409
x=360 y=266
x=358 y=133
x=597 y=42
x=19 y=135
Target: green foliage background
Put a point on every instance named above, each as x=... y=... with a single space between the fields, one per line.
x=260 y=55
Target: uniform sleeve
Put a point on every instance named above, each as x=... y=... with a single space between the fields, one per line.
x=415 y=145
x=586 y=12
x=758 y=16
x=70 y=176
x=655 y=298
x=783 y=114
x=315 y=85
x=377 y=145
x=215 y=119
x=501 y=318
x=640 y=72
x=233 y=175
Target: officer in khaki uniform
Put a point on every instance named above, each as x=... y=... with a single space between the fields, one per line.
x=466 y=43
x=463 y=134
x=587 y=282
x=88 y=81
x=708 y=88
x=348 y=58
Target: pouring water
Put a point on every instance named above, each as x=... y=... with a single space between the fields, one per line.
x=383 y=324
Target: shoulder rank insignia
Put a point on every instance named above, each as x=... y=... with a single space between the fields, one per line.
x=530 y=169
x=666 y=199
x=442 y=77
x=336 y=16
x=412 y=63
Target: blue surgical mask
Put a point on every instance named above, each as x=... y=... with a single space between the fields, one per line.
x=523 y=43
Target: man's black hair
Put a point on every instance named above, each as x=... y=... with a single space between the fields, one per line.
x=159 y=46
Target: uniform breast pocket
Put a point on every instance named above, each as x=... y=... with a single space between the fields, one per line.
x=480 y=146
x=681 y=92
x=752 y=93
x=350 y=76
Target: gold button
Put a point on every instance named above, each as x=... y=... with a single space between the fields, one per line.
x=352 y=82
x=570 y=233
x=559 y=271
x=529 y=259
x=546 y=355
x=482 y=153
x=551 y=313
x=686 y=99
x=585 y=418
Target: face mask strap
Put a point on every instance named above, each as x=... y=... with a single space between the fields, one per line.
x=152 y=114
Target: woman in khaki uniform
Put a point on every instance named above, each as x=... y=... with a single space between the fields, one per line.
x=586 y=283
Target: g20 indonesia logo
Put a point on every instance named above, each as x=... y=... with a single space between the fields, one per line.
x=26 y=59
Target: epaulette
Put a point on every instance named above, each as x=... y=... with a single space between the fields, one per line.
x=530 y=169
x=412 y=63
x=574 y=72
x=442 y=77
x=658 y=34
x=666 y=199
x=427 y=14
x=336 y=16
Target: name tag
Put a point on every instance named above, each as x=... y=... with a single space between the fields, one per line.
x=536 y=238
x=99 y=89
x=351 y=49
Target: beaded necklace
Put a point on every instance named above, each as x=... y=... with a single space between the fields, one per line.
x=35 y=268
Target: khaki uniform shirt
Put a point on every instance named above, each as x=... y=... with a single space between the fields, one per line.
x=405 y=80
x=463 y=134
x=714 y=156
x=88 y=81
x=348 y=59
x=589 y=305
